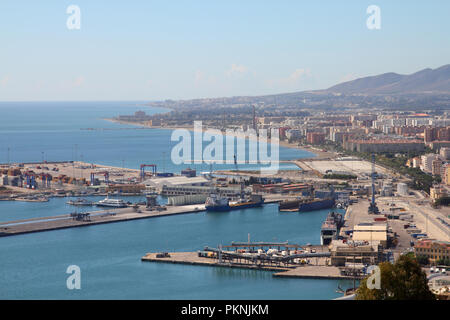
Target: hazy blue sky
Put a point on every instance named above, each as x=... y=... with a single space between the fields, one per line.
x=136 y=50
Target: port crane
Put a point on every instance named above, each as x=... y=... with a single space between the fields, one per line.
x=142 y=172
x=46 y=179
x=104 y=173
x=373 y=208
x=30 y=177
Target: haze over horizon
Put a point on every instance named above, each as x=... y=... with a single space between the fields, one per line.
x=155 y=51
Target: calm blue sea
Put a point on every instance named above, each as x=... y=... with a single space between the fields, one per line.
x=33 y=266
x=53 y=131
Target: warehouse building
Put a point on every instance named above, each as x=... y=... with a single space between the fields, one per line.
x=344 y=253
x=372 y=233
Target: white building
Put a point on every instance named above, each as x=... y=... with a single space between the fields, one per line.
x=426 y=164
x=402 y=189
x=293 y=134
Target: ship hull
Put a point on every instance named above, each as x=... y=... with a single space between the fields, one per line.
x=111 y=205
x=316 y=205
x=290 y=204
x=234 y=207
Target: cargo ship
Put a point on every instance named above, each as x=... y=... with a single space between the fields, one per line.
x=217 y=203
x=316 y=204
x=330 y=228
x=289 y=204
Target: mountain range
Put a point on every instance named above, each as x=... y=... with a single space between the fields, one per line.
x=424 y=81
x=428 y=88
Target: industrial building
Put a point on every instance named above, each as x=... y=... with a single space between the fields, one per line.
x=178 y=182
x=372 y=233
x=343 y=254
x=283 y=188
x=126 y=188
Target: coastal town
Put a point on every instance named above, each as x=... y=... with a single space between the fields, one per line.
x=225 y=159
x=385 y=175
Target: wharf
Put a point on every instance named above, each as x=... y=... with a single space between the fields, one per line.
x=64 y=221
x=305 y=271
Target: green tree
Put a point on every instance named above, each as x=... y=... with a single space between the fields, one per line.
x=423 y=260
x=403 y=280
x=443 y=262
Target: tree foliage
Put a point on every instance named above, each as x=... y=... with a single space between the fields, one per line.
x=403 y=280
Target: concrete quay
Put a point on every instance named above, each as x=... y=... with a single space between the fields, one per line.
x=17 y=227
x=64 y=221
x=304 y=271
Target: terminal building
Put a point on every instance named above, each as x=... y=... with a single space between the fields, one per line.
x=182 y=185
x=176 y=183
x=345 y=253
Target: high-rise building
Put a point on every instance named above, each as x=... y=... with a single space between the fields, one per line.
x=436 y=167
x=430 y=134
x=315 y=137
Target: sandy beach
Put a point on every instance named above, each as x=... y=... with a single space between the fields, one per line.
x=319 y=154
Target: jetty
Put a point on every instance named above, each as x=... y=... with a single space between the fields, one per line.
x=91 y=218
x=307 y=271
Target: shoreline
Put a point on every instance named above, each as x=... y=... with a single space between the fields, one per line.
x=317 y=154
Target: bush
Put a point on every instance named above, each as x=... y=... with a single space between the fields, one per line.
x=423 y=260
x=443 y=262
x=403 y=280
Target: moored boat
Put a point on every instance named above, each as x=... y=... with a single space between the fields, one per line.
x=217 y=203
x=316 y=204
x=80 y=202
x=115 y=203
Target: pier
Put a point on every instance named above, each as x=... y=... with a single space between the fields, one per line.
x=286 y=271
x=64 y=221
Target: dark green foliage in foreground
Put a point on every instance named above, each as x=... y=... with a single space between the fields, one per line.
x=403 y=280
x=423 y=260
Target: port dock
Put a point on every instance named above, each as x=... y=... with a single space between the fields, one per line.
x=94 y=218
x=64 y=221
x=290 y=271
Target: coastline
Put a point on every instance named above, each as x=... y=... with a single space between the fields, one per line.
x=318 y=154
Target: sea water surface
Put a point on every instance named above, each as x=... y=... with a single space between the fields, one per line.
x=57 y=131
x=33 y=266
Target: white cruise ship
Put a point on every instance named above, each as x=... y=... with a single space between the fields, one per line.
x=115 y=203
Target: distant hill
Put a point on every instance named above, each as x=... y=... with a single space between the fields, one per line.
x=427 y=80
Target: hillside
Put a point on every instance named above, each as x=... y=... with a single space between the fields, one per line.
x=424 y=81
